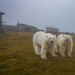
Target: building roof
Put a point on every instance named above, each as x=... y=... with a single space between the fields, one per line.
x=25 y=25
x=52 y=28
x=1 y=13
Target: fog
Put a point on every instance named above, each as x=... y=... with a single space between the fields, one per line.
x=40 y=13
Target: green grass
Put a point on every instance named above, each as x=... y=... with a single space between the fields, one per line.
x=17 y=57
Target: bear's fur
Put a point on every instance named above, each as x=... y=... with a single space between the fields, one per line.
x=64 y=44
x=43 y=41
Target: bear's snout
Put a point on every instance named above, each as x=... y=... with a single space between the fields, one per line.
x=51 y=41
x=67 y=40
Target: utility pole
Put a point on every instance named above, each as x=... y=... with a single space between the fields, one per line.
x=1 y=29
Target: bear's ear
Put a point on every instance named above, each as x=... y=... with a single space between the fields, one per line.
x=63 y=35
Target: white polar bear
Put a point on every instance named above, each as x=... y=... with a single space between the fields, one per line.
x=64 y=44
x=42 y=41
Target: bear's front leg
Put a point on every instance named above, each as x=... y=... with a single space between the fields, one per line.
x=62 y=51
x=52 y=51
x=69 y=51
x=43 y=53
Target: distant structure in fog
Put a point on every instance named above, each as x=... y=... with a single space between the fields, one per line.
x=25 y=28
x=20 y=27
x=52 y=29
x=12 y=28
x=1 y=13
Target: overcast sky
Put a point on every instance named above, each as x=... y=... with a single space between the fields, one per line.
x=40 y=13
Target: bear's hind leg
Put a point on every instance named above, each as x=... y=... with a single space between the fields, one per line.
x=37 y=49
x=52 y=51
x=43 y=52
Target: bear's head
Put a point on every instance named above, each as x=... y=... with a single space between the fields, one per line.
x=51 y=39
x=67 y=38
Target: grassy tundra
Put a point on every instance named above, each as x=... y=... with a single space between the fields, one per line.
x=17 y=57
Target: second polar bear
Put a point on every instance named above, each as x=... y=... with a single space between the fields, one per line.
x=64 y=44
x=43 y=41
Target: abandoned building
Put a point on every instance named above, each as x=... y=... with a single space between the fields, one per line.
x=25 y=28
x=12 y=28
x=20 y=27
x=52 y=29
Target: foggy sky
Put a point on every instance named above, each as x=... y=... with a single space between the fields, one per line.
x=40 y=13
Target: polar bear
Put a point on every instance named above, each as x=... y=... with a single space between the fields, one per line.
x=64 y=44
x=42 y=41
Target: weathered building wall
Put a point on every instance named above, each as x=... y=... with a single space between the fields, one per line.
x=52 y=29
